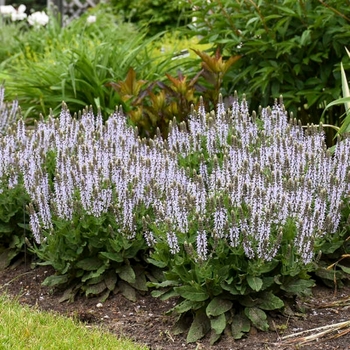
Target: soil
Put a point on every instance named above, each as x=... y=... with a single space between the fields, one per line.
x=145 y=321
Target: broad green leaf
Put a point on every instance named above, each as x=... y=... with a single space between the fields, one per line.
x=126 y=273
x=104 y=296
x=55 y=280
x=218 y=325
x=254 y=283
x=89 y=264
x=94 y=274
x=230 y=288
x=240 y=325
x=140 y=282
x=192 y=293
x=344 y=268
x=113 y=256
x=218 y=306
x=299 y=286
x=167 y=283
x=199 y=327
x=187 y=305
x=95 y=280
x=157 y=293
x=111 y=280
x=258 y=317
x=326 y=274
x=127 y=291
x=269 y=301
x=5 y=258
x=157 y=263
x=169 y=294
x=69 y=294
x=95 y=289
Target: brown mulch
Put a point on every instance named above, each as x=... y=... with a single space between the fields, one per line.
x=145 y=321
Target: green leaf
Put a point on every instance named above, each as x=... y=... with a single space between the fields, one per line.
x=258 y=317
x=113 y=256
x=218 y=306
x=192 y=293
x=230 y=288
x=127 y=291
x=199 y=327
x=140 y=282
x=126 y=273
x=187 y=305
x=104 y=296
x=69 y=294
x=157 y=263
x=345 y=86
x=345 y=268
x=270 y=302
x=299 y=286
x=6 y=256
x=166 y=283
x=169 y=294
x=111 y=280
x=89 y=264
x=240 y=325
x=55 y=280
x=95 y=289
x=326 y=274
x=254 y=283
x=218 y=325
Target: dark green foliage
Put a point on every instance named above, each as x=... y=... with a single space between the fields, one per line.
x=156 y=15
x=89 y=254
x=14 y=226
x=289 y=47
x=227 y=290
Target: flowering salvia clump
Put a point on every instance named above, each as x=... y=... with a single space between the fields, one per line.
x=8 y=113
x=225 y=176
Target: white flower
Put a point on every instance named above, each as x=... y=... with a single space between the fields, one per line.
x=7 y=9
x=91 y=19
x=38 y=19
x=19 y=14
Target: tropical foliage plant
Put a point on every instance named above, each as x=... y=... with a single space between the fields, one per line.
x=151 y=105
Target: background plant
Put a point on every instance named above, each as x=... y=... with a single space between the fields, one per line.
x=151 y=105
x=155 y=16
x=13 y=198
x=289 y=47
x=75 y=63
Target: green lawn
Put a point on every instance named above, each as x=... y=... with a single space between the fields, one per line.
x=22 y=327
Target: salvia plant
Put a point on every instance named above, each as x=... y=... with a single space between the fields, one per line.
x=12 y=197
x=229 y=213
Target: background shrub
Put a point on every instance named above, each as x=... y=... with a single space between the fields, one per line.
x=289 y=47
x=75 y=63
x=155 y=15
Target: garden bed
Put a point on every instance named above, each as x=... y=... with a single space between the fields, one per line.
x=145 y=321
